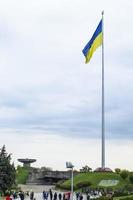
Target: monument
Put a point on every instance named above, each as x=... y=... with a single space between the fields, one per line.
x=105 y=169
x=26 y=161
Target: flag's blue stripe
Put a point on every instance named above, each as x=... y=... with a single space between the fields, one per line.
x=96 y=33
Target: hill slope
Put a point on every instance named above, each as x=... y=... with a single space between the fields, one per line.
x=95 y=177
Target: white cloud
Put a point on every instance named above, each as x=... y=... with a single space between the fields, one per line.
x=54 y=151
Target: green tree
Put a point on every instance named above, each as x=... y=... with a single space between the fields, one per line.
x=117 y=170
x=131 y=177
x=86 y=168
x=124 y=174
x=7 y=171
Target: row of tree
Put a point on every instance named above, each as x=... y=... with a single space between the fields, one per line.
x=125 y=174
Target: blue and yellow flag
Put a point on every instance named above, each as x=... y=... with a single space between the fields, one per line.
x=94 y=43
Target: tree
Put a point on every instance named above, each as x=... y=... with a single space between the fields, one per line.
x=124 y=174
x=117 y=170
x=86 y=168
x=7 y=171
x=131 y=177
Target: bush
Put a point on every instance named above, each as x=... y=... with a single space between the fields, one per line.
x=117 y=170
x=22 y=175
x=124 y=174
x=131 y=177
x=83 y=184
x=127 y=198
x=129 y=187
x=104 y=198
x=59 y=183
x=67 y=187
x=120 y=194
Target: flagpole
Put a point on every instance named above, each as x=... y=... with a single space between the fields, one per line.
x=103 y=110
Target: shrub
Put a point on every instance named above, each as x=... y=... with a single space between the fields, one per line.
x=120 y=194
x=67 y=187
x=59 y=183
x=104 y=198
x=124 y=174
x=129 y=187
x=83 y=184
x=131 y=177
x=127 y=198
x=22 y=175
x=117 y=170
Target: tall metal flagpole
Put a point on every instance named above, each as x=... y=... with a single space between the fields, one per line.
x=103 y=116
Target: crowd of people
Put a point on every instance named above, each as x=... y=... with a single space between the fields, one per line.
x=46 y=195
x=54 y=195
x=20 y=195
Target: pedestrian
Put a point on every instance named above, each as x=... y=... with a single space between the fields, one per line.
x=55 y=196
x=88 y=197
x=31 y=195
x=44 y=195
x=63 y=196
x=51 y=194
x=14 y=195
x=77 y=195
x=60 y=196
x=8 y=197
x=81 y=197
x=47 y=195
x=68 y=195
x=21 y=195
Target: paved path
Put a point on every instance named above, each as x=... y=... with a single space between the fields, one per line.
x=36 y=188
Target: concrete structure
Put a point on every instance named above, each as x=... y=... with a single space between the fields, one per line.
x=41 y=177
x=26 y=162
x=105 y=169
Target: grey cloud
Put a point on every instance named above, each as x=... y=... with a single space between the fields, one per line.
x=44 y=84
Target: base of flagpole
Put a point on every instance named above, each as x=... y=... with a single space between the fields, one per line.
x=103 y=169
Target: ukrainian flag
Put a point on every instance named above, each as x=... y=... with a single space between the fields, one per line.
x=94 y=43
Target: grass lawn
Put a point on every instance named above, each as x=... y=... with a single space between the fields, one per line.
x=117 y=198
x=96 y=177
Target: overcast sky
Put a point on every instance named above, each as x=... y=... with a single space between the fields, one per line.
x=50 y=101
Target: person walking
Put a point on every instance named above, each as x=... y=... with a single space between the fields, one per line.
x=60 y=196
x=44 y=195
x=77 y=195
x=51 y=194
x=81 y=197
x=63 y=196
x=8 y=197
x=31 y=195
x=55 y=196
x=21 y=195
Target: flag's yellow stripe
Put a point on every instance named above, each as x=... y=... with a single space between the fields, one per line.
x=97 y=42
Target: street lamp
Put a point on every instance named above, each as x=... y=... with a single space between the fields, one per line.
x=69 y=165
